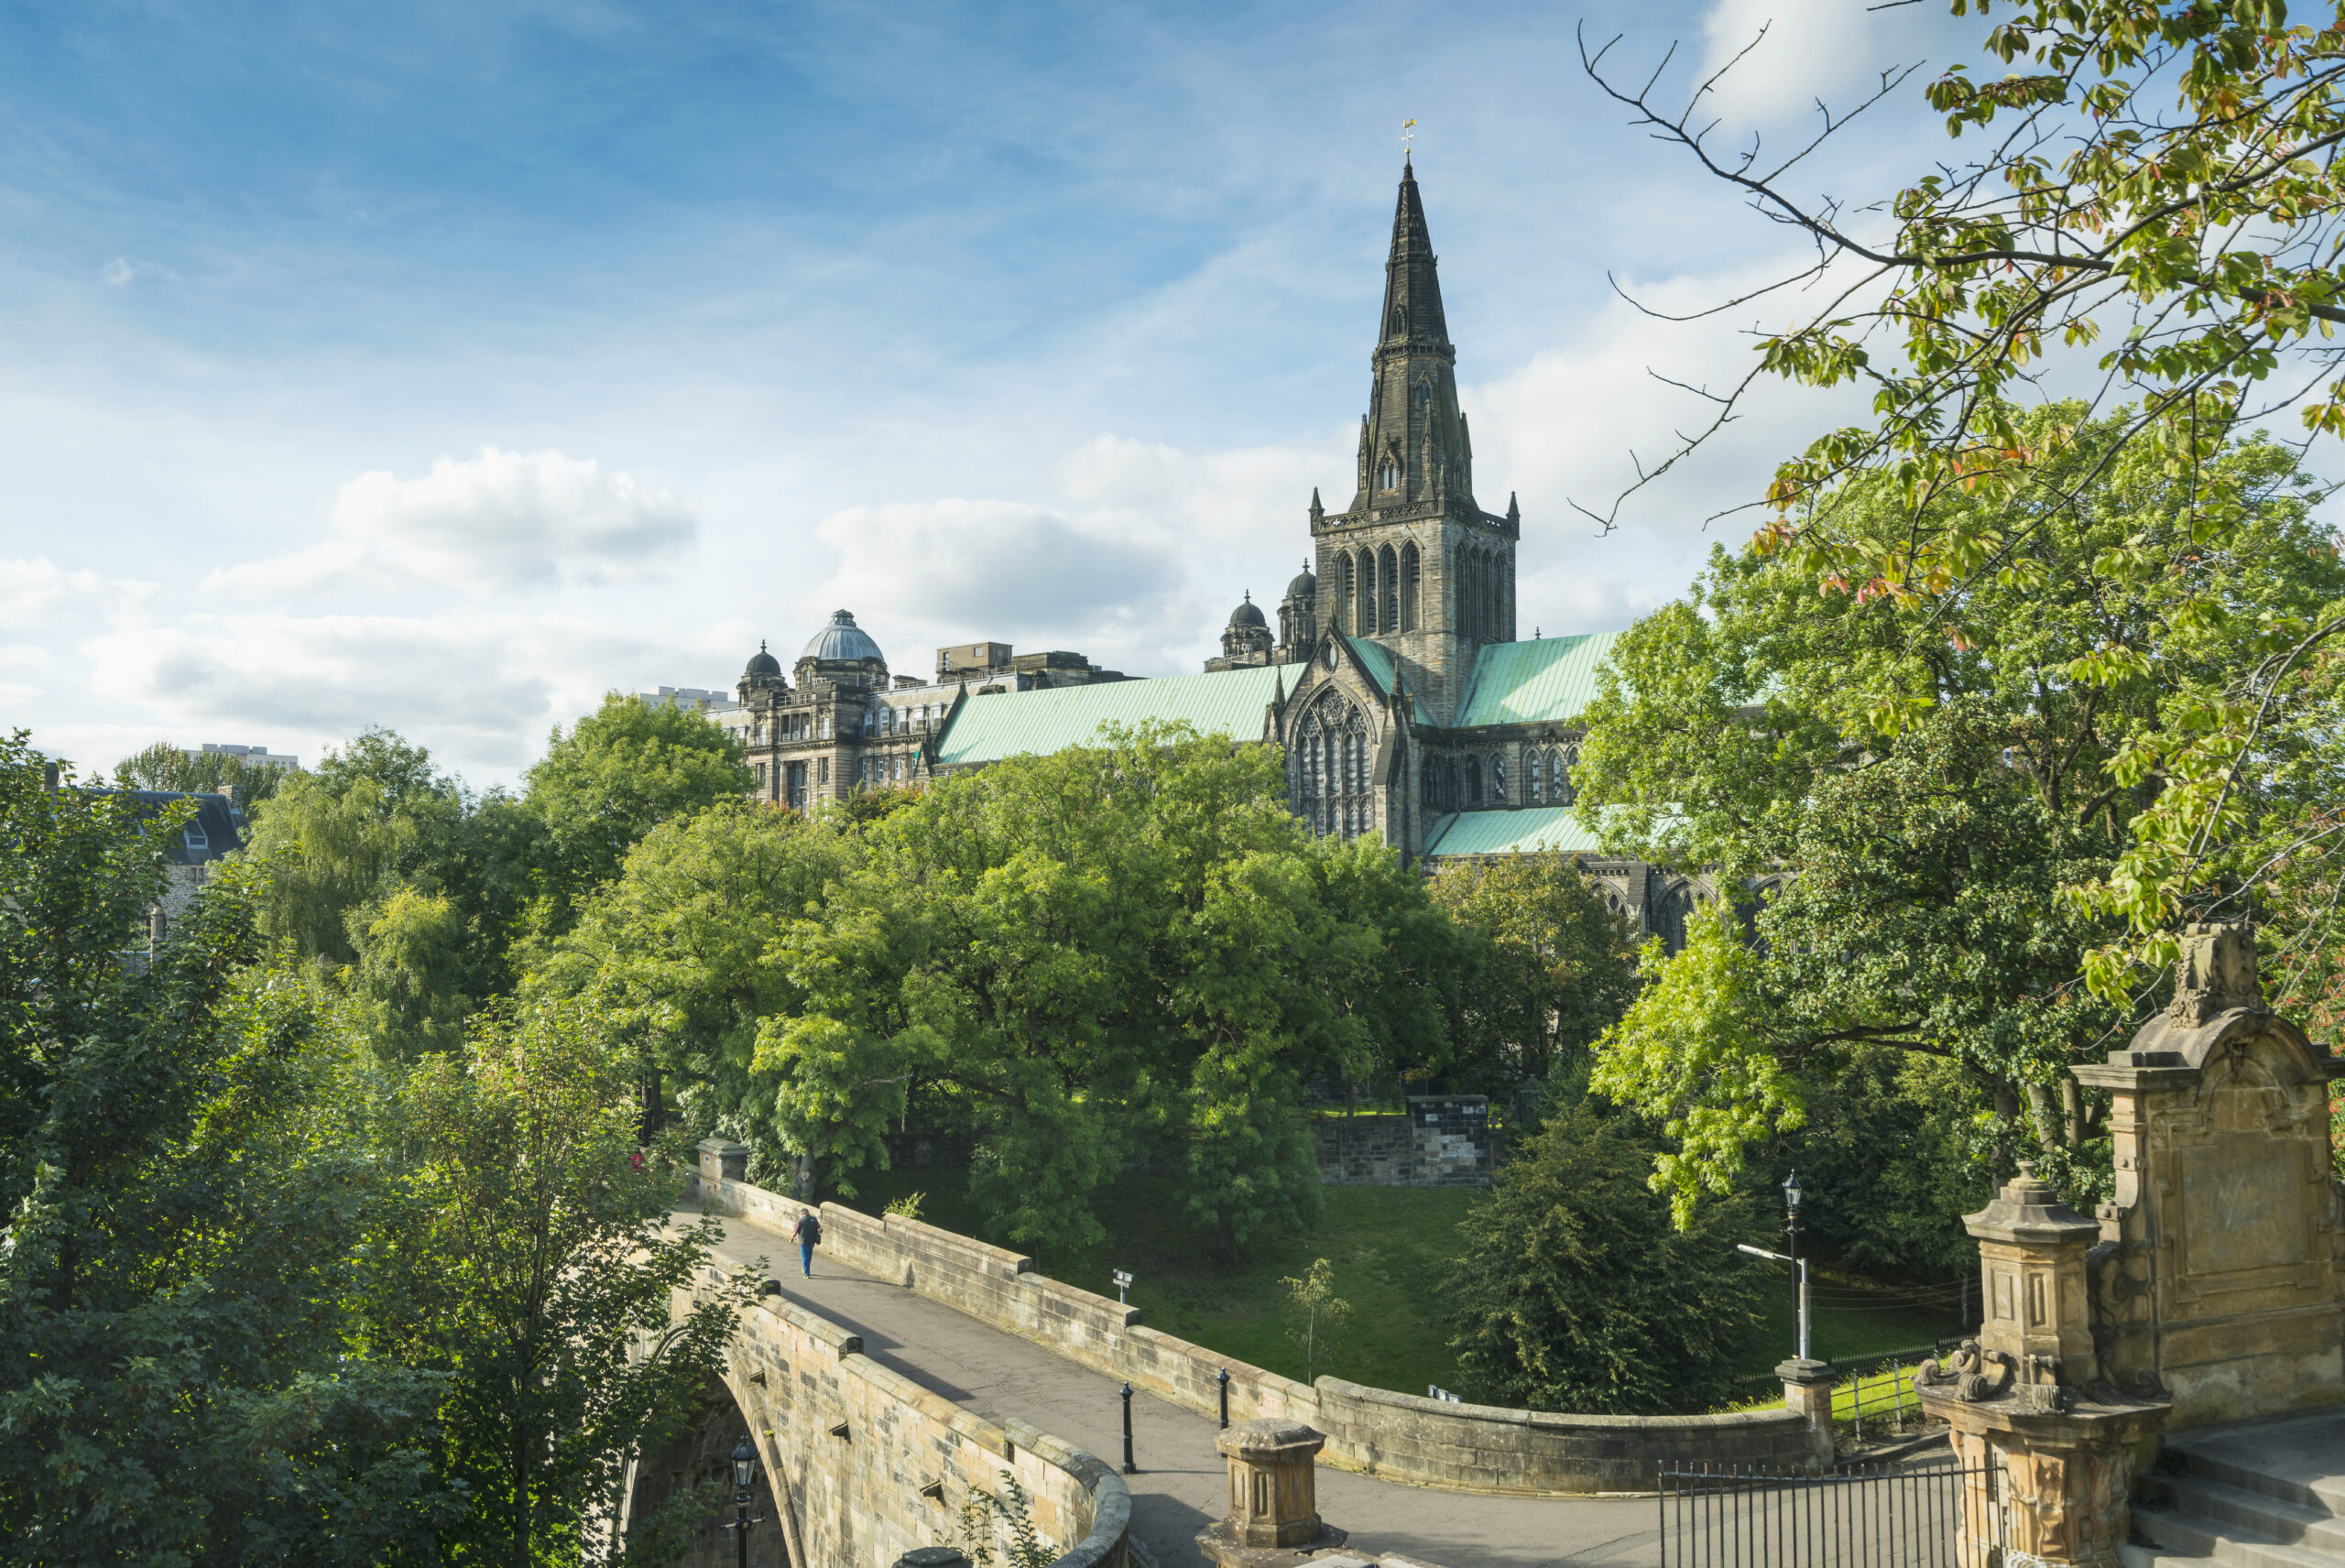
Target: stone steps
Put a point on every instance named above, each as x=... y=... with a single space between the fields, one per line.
x=2266 y=1496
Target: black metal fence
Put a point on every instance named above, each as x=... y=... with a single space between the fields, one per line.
x=1871 y=1515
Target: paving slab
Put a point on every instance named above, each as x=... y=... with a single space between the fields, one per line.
x=1182 y=1482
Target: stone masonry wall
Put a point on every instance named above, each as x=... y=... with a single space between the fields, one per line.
x=1440 y=1141
x=873 y=1466
x=1430 y=1442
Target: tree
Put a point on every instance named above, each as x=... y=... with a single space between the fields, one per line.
x=1914 y=798
x=529 y=1260
x=163 y=766
x=1559 y=969
x=1574 y=1292
x=1115 y=946
x=1315 y=1313
x=184 y=1202
x=619 y=773
x=2203 y=226
x=675 y=953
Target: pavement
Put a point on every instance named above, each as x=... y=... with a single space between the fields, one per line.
x=1183 y=1484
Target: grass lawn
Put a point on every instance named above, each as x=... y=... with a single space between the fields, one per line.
x=1390 y=1247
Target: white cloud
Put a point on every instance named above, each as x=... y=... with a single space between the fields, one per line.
x=483 y=688
x=1832 y=49
x=500 y=522
x=34 y=589
x=122 y=271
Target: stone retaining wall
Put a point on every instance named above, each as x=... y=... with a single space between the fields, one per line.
x=877 y=1466
x=1468 y=1447
x=1441 y=1140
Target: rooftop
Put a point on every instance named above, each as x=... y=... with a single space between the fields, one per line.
x=1014 y=723
x=1546 y=680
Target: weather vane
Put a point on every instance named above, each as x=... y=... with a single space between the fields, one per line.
x=1408 y=134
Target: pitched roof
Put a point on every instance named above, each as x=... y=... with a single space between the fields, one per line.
x=1014 y=723
x=1533 y=830
x=1547 y=680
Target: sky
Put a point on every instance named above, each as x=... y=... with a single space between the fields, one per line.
x=446 y=366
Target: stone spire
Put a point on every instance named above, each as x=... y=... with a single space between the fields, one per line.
x=1414 y=449
x=1411 y=292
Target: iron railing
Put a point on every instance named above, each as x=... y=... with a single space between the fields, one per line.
x=1875 y=1515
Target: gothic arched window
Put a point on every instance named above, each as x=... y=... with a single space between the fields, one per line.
x=1342 y=582
x=1473 y=781
x=1388 y=590
x=1364 y=605
x=1409 y=574
x=1328 y=768
x=1559 y=774
x=1497 y=778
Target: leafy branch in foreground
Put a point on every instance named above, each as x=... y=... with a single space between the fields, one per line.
x=2164 y=176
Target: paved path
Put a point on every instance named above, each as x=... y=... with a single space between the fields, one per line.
x=1183 y=1481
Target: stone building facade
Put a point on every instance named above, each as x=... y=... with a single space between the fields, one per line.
x=1392 y=676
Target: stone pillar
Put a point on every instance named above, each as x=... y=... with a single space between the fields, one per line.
x=2050 y=1446
x=1807 y=1388
x=722 y=1160
x=1273 y=1520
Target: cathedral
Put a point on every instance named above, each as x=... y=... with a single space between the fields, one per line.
x=1393 y=678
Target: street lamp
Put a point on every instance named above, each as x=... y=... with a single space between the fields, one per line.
x=745 y=1477
x=1799 y=1269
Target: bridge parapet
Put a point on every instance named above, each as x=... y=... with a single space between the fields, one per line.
x=872 y=1465
x=1398 y=1436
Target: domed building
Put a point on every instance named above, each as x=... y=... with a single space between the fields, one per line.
x=1393 y=681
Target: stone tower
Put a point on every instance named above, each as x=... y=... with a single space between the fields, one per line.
x=1414 y=563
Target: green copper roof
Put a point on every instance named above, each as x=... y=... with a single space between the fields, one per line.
x=1532 y=830
x=1014 y=723
x=1547 y=680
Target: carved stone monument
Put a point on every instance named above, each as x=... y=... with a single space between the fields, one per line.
x=2050 y=1449
x=1273 y=1520
x=2221 y=1265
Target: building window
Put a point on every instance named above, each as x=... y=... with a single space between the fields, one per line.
x=1473 y=781
x=1388 y=587
x=197 y=840
x=1497 y=780
x=1409 y=575
x=761 y=775
x=1328 y=768
x=821 y=770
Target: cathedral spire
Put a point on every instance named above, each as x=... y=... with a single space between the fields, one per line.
x=1411 y=292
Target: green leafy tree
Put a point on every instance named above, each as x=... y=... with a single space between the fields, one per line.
x=675 y=955
x=1559 y=968
x=1911 y=798
x=529 y=1259
x=619 y=772
x=163 y=766
x=2165 y=174
x=407 y=991
x=183 y=1205
x=1087 y=951
x=1574 y=1293
x=1315 y=1314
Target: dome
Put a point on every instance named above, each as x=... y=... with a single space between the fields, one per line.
x=842 y=642
x=1247 y=614
x=1303 y=587
x=761 y=663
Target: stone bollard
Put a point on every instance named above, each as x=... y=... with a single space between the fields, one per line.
x=1807 y=1388
x=1273 y=1520
x=934 y=1557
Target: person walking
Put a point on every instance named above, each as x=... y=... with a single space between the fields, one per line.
x=809 y=1232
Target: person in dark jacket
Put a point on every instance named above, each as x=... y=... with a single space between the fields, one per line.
x=809 y=1231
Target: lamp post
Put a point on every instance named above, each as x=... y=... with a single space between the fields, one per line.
x=1799 y=1270
x=745 y=1477
x=1129 y=1468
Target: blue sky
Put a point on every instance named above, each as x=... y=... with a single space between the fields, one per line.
x=443 y=366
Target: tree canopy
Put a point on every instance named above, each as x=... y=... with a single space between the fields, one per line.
x=2163 y=175
x=1915 y=795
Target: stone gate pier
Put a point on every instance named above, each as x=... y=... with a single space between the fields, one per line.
x=2211 y=1289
